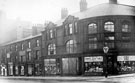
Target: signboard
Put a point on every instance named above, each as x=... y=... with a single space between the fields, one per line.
x=93 y=59
x=126 y=58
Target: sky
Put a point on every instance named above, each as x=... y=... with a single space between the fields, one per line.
x=39 y=11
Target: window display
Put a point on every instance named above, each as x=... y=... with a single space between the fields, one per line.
x=93 y=64
x=126 y=63
x=52 y=66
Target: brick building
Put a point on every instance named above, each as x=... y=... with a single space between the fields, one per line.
x=74 y=45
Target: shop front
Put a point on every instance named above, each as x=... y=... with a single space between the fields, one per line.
x=93 y=65
x=30 y=69
x=10 y=69
x=126 y=64
x=16 y=70
x=3 y=70
x=52 y=66
x=70 y=66
x=22 y=70
x=38 y=69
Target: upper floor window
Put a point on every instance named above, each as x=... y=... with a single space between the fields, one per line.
x=51 y=49
x=37 y=54
x=109 y=27
x=29 y=56
x=93 y=43
x=70 y=28
x=11 y=48
x=92 y=28
x=109 y=38
x=71 y=46
x=66 y=30
x=37 y=42
x=29 y=45
x=126 y=28
x=22 y=46
x=16 y=47
x=76 y=28
x=92 y=39
x=51 y=33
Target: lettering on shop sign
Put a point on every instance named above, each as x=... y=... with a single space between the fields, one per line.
x=126 y=58
x=93 y=59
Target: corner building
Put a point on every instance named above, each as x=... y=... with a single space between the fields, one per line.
x=74 y=44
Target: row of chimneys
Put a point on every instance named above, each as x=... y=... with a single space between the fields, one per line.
x=83 y=7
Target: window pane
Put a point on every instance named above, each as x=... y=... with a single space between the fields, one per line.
x=71 y=46
x=70 y=29
x=92 y=28
x=51 y=49
x=125 y=28
x=109 y=27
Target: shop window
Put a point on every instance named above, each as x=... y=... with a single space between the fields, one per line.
x=109 y=27
x=126 y=28
x=126 y=63
x=71 y=46
x=92 y=28
x=70 y=66
x=93 y=64
x=70 y=28
x=51 y=49
x=52 y=66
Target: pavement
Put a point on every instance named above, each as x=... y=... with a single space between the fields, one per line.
x=69 y=78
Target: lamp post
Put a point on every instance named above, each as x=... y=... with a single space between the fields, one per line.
x=106 y=49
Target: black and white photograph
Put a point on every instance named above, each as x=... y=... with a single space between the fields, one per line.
x=67 y=41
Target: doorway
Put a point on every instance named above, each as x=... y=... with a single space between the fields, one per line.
x=111 y=65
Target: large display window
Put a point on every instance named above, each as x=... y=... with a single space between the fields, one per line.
x=93 y=64
x=52 y=66
x=126 y=63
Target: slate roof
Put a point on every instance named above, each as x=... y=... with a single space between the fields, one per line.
x=23 y=39
x=104 y=9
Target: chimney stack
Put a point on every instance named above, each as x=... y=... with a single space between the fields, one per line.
x=64 y=13
x=83 y=5
x=113 y=1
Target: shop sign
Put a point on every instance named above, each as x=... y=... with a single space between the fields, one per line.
x=126 y=58
x=93 y=59
x=22 y=53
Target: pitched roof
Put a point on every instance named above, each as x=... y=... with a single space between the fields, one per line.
x=104 y=9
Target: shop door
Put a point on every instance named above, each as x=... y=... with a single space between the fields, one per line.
x=110 y=67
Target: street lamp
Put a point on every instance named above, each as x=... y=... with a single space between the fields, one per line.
x=106 y=49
